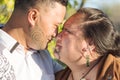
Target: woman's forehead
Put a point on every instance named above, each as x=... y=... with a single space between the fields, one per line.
x=71 y=26
x=74 y=21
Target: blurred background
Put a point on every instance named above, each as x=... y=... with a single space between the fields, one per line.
x=110 y=7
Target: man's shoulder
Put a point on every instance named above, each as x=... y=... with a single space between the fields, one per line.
x=44 y=53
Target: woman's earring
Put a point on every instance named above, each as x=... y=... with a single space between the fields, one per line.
x=87 y=61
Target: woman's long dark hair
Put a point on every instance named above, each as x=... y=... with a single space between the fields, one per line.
x=98 y=28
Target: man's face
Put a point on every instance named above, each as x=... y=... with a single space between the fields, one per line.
x=46 y=26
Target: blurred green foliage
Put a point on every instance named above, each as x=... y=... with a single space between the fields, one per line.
x=6 y=8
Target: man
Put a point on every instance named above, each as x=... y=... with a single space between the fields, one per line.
x=25 y=36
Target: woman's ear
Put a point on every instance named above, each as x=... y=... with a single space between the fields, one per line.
x=84 y=46
x=88 y=46
x=91 y=46
x=32 y=16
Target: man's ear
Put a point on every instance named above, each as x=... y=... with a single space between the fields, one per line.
x=32 y=16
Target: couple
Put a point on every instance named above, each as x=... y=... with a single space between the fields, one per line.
x=90 y=46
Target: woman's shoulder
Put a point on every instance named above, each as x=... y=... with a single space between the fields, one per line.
x=110 y=69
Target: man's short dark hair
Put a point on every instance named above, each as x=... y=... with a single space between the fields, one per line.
x=26 y=4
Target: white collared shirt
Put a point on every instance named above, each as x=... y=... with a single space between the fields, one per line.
x=18 y=65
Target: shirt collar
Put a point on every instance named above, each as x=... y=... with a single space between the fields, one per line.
x=7 y=40
x=10 y=43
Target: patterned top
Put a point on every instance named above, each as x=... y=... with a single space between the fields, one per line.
x=6 y=70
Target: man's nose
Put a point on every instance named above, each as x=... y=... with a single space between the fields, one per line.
x=55 y=33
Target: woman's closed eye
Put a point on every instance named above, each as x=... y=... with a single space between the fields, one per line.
x=66 y=30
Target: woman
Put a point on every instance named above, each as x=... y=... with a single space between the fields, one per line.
x=90 y=46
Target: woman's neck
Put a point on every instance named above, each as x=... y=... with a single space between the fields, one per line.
x=82 y=71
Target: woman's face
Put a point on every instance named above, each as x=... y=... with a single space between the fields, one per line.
x=70 y=42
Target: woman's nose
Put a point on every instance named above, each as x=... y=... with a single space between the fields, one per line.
x=58 y=37
x=60 y=34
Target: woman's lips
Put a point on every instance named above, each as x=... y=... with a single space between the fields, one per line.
x=57 y=49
